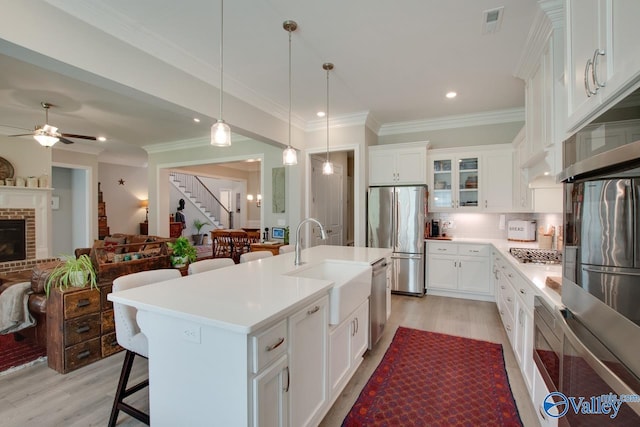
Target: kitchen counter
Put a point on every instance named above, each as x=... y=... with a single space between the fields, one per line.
x=243 y=297
x=534 y=273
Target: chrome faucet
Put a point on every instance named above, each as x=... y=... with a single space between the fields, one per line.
x=323 y=236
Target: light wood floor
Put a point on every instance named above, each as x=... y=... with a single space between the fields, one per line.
x=39 y=396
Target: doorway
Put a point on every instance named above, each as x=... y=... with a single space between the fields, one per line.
x=329 y=199
x=70 y=218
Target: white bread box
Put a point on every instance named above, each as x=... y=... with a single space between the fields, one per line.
x=521 y=231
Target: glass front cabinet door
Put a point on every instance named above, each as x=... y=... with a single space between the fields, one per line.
x=455 y=184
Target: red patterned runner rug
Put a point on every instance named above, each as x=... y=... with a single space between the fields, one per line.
x=431 y=379
x=14 y=354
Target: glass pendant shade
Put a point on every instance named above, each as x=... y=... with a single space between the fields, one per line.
x=220 y=134
x=327 y=168
x=289 y=156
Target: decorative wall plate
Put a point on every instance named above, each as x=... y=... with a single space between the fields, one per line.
x=6 y=169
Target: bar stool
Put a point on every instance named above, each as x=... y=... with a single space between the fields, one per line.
x=251 y=256
x=209 y=264
x=132 y=339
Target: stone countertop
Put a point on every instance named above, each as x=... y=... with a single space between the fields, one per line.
x=244 y=297
x=536 y=274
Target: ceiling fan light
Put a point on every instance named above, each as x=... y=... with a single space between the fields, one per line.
x=289 y=156
x=46 y=140
x=220 y=134
x=327 y=168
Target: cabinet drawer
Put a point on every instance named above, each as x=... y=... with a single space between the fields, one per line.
x=267 y=346
x=473 y=250
x=81 y=329
x=81 y=354
x=508 y=298
x=104 y=302
x=109 y=344
x=107 y=321
x=80 y=303
x=443 y=248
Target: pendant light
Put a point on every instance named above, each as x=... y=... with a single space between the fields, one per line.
x=289 y=155
x=327 y=166
x=220 y=131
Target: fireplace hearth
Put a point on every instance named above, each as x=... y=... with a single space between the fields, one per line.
x=13 y=245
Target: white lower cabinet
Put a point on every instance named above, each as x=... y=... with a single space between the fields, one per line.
x=514 y=298
x=271 y=395
x=459 y=270
x=308 y=391
x=347 y=343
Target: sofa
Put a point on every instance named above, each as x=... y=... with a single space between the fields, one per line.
x=109 y=257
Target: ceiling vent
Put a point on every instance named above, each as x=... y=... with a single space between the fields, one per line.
x=492 y=20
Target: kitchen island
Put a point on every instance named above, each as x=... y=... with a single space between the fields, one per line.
x=224 y=344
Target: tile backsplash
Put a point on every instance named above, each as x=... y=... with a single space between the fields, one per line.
x=487 y=225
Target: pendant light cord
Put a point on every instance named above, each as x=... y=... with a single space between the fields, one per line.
x=221 y=52
x=289 y=88
x=328 y=69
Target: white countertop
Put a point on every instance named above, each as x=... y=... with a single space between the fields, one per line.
x=534 y=273
x=243 y=297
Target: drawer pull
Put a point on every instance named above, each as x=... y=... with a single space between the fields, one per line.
x=114 y=343
x=523 y=292
x=276 y=345
x=83 y=303
x=509 y=274
x=313 y=310
x=83 y=329
x=474 y=251
x=441 y=249
x=502 y=287
x=508 y=328
x=84 y=354
x=541 y=412
x=508 y=299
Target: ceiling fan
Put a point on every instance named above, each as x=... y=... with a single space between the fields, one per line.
x=48 y=135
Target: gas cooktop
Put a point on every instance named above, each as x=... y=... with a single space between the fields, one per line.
x=536 y=256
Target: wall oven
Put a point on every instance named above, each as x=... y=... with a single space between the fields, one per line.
x=601 y=261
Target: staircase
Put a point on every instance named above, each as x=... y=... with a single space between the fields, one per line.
x=194 y=189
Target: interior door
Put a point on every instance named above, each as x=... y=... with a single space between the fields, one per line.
x=327 y=199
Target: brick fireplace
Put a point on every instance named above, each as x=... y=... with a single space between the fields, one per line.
x=32 y=207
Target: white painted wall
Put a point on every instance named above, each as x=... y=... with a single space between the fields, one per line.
x=122 y=202
x=62 y=224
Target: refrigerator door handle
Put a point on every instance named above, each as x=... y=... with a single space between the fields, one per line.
x=395 y=217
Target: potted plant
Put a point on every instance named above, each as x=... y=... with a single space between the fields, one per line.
x=74 y=272
x=182 y=252
x=197 y=238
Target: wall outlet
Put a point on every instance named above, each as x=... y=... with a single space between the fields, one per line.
x=191 y=333
x=448 y=224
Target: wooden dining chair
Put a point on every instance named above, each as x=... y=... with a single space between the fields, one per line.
x=240 y=244
x=222 y=247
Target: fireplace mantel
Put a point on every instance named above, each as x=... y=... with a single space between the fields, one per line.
x=38 y=199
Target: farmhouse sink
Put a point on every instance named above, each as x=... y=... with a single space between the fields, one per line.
x=351 y=285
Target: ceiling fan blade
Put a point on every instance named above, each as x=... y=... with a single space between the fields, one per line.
x=70 y=135
x=22 y=134
x=65 y=140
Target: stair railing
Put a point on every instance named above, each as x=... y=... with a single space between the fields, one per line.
x=199 y=191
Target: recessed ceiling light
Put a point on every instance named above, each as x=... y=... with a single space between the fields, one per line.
x=102 y=139
x=546 y=173
x=320 y=114
x=197 y=120
x=451 y=95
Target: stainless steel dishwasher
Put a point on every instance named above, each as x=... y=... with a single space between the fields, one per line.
x=378 y=301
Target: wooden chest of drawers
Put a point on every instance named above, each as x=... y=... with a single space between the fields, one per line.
x=80 y=328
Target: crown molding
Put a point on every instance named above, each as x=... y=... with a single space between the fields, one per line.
x=555 y=11
x=451 y=122
x=355 y=119
x=537 y=39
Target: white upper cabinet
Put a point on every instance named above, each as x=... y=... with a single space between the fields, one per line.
x=602 y=55
x=474 y=181
x=398 y=164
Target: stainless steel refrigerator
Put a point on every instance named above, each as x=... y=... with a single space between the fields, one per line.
x=396 y=220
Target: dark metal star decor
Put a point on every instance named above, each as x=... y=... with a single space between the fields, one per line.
x=121 y=181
